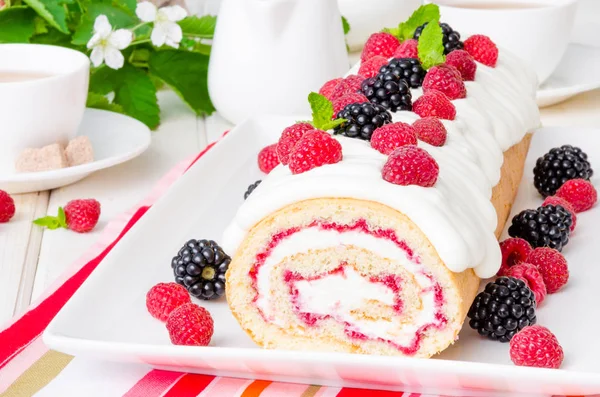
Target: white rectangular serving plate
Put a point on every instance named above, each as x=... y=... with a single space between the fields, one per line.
x=107 y=317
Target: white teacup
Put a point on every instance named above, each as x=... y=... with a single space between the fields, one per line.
x=538 y=31
x=43 y=91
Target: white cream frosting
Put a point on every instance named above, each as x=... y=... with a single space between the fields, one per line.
x=456 y=214
x=338 y=294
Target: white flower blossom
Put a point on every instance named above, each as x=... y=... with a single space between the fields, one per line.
x=166 y=30
x=106 y=43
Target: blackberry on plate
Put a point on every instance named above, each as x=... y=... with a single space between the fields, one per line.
x=363 y=119
x=393 y=94
x=505 y=307
x=547 y=226
x=251 y=188
x=407 y=69
x=451 y=38
x=559 y=165
x=200 y=266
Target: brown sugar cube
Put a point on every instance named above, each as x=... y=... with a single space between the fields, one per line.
x=79 y=151
x=48 y=158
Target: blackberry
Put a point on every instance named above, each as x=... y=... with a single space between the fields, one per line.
x=559 y=165
x=451 y=38
x=363 y=119
x=200 y=266
x=505 y=307
x=547 y=226
x=407 y=69
x=251 y=188
x=393 y=94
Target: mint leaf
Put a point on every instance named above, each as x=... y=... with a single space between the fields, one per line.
x=203 y=27
x=53 y=222
x=136 y=94
x=117 y=17
x=345 y=25
x=99 y=101
x=332 y=124
x=431 y=47
x=424 y=14
x=392 y=31
x=53 y=11
x=186 y=73
x=322 y=109
x=16 y=24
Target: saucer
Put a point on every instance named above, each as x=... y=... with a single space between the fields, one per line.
x=116 y=138
x=576 y=73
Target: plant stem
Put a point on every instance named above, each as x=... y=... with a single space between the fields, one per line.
x=140 y=64
x=139 y=26
x=140 y=42
x=198 y=36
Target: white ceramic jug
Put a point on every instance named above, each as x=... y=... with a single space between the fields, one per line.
x=268 y=55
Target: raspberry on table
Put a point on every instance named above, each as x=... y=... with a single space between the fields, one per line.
x=431 y=130
x=349 y=85
x=251 y=188
x=362 y=120
x=514 y=250
x=82 y=215
x=407 y=49
x=531 y=276
x=546 y=226
x=483 y=49
x=268 y=159
x=410 y=165
x=559 y=165
x=464 y=63
x=288 y=139
x=371 y=67
x=555 y=200
x=552 y=266
x=446 y=79
x=381 y=43
x=163 y=298
x=581 y=194
x=340 y=103
x=436 y=104
x=7 y=207
x=190 y=325
x=536 y=346
x=389 y=137
x=450 y=37
x=315 y=149
x=327 y=89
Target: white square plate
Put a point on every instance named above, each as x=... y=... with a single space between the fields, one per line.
x=107 y=318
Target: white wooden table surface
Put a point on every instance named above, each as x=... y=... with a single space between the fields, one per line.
x=32 y=258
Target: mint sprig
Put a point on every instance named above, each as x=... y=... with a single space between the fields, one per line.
x=53 y=222
x=322 y=112
x=424 y=14
x=431 y=46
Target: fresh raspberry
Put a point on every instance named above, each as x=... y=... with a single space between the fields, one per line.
x=407 y=49
x=289 y=137
x=389 y=137
x=410 y=165
x=552 y=266
x=536 y=346
x=436 y=104
x=314 y=149
x=163 y=298
x=554 y=200
x=431 y=130
x=514 y=250
x=446 y=79
x=7 y=207
x=483 y=49
x=532 y=277
x=267 y=158
x=371 y=67
x=346 y=100
x=381 y=43
x=327 y=88
x=82 y=215
x=190 y=325
x=349 y=85
x=464 y=63
x=580 y=193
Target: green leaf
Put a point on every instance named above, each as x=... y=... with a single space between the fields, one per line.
x=332 y=124
x=322 y=109
x=424 y=14
x=99 y=101
x=16 y=24
x=53 y=37
x=117 y=17
x=104 y=80
x=53 y=222
x=431 y=46
x=345 y=25
x=52 y=11
x=203 y=27
x=136 y=94
x=41 y=26
x=128 y=4
x=62 y=218
x=187 y=74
